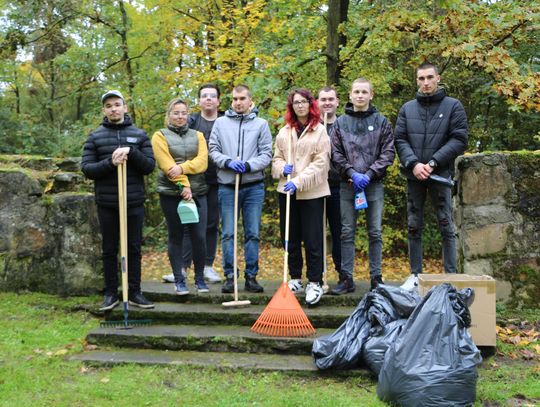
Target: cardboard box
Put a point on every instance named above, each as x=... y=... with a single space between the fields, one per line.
x=482 y=310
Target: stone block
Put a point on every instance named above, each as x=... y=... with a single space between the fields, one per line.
x=478 y=267
x=486 y=215
x=484 y=240
x=484 y=185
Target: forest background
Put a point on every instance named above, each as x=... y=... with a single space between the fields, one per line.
x=59 y=56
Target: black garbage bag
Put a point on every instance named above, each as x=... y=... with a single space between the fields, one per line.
x=433 y=361
x=342 y=349
x=387 y=316
x=404 y=302
x=378 y=342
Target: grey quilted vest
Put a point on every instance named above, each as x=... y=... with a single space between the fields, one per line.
x=182 y=148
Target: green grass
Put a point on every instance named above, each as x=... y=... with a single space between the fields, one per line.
x=38 y=331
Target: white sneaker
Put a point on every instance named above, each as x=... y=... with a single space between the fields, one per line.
x=169 y=278
x=296 y=286
x=314 y=293
x=210 y=275
x=411 y=284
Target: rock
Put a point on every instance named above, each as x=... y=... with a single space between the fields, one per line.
x=49 y=242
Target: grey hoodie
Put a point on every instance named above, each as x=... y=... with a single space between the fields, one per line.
x=240 y=135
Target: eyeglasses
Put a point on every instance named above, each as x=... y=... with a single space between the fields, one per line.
x=300 y=102
x=209 y=95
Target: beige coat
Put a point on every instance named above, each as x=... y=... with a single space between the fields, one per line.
x=310 y=156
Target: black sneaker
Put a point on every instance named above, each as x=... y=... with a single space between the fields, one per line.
x=138 y=300
x=375 y=281
x=344 y=286
x=109 y=302
x=252 y=285
x=228 y=285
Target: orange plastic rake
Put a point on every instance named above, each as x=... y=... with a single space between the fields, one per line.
x=283 y=316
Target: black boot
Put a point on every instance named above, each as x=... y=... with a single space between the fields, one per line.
x=252 y=285
x=345 y=285
x=375 y=281
x=228 y=285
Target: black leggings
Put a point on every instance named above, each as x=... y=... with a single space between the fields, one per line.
x=197 y=231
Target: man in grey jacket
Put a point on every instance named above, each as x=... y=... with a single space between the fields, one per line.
x=431 y=131
x=241 y=143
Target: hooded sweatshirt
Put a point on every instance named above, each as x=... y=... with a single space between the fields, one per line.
x=240 y=136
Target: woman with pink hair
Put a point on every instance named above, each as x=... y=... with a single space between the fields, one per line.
x=309 y=157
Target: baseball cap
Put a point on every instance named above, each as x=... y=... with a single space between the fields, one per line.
x=111 y=93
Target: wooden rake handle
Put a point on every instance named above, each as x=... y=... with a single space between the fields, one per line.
x=287 y=212
x=122 y=211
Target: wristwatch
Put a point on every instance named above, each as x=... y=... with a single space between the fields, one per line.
x=432 y=163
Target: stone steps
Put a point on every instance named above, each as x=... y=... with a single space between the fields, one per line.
x=213 y=338
x=164 y=292
x=234 y=361
x=196 y=330
x=214 y=314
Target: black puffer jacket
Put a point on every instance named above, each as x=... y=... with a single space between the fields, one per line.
x=362 y=142
x=194 y=123
x=97 y=161
x=431 y=127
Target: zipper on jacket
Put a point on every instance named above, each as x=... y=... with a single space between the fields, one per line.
x=239 y=138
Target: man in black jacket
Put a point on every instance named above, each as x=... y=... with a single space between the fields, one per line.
x=431 y=131
x=362 y=150
x=116 y=141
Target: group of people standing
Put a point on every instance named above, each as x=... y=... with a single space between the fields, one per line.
x=321 y=160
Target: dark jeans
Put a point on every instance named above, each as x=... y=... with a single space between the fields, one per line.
x=333 y=215
x=305 y=225
x=373 y=213
x=109 y=222
x=197 y=231
x=212 y=225
x=441 y=199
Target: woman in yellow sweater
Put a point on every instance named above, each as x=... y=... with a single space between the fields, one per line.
x=182 y=156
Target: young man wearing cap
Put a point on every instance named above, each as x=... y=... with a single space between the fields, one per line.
x=114 y=142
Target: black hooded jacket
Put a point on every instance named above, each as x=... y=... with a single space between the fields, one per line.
x=362 y=142
x=431 y=127
x=97 y=161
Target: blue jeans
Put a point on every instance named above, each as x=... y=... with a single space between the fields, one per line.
x=441 y=200
x=375 y=197
x=250 y=202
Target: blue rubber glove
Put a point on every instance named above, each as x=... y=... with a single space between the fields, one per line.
x=288 y=169
x=237 y=166
x=360 y=181
x=290 y=187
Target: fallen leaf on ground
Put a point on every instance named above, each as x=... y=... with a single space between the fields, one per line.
x=105 y=380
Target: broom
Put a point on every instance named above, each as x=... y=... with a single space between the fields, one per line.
x=236 y=303
x=122 y=209
x=283 y=316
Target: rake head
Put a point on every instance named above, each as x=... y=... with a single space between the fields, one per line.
x=283 y=316
x=125 y=324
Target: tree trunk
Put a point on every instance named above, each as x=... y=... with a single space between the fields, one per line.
x=337 y=14
x=125 y=57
